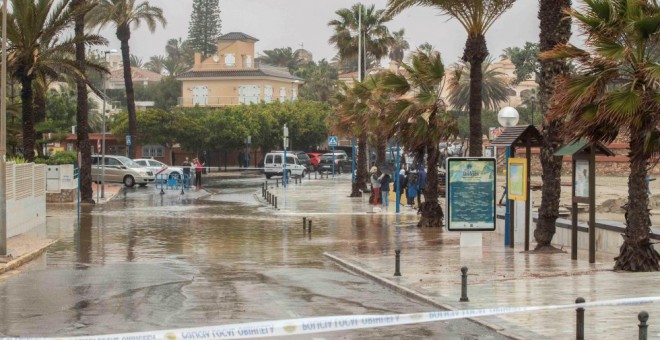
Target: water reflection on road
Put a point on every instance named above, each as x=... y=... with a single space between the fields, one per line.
x=146 y=261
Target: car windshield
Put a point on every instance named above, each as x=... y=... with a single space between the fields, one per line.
x=128 y=162
x=303 y=157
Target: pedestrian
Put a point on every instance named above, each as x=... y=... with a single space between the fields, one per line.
x=186 y=172
x=198 y=173
x=385 y=181
x=402 y=182
x=412 y=187
x=247 y=159
x=375 y=183
x=241 y=159
x=422 y=185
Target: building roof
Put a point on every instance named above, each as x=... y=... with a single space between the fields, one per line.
x=583 y=146
x=237 y=73
x=138 y=74
x=237 y=36
x=519 y=136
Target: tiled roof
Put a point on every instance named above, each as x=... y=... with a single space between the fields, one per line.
x=237 y=36
x=237 y=73
x=138 y=74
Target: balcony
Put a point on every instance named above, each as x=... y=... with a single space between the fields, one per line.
x=221 y=101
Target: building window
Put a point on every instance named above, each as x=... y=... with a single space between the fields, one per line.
x=149 y=151
x=294 y=94
x=268 y=94
x=230 y=59
x=282 y=94
x=200 y=95
x=248 y=61
x=249 y=94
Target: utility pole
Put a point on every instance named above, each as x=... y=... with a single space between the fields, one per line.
x=3 y=138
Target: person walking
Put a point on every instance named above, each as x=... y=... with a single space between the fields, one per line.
x=375 y=184
x=403 y=183
x=186 y=172
x=198 y=173
x=385 y=181
x=422 y=185
x=412 y=188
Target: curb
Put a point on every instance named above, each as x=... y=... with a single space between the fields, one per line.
x=13 y=264
x=413 y=294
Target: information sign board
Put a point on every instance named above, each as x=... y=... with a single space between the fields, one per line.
x=517 y=173
x=471 y=194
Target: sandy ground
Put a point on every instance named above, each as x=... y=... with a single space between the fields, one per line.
x=611 y=194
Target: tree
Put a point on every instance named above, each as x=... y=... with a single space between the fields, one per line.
x=555 y=31
x=205 y=26
x=398 y=45
x=156 y=64
x=494 y=89
x=37 y=49
x=123 y=14
x=166 y=93
x=136 y=61
x=375 y=41
x=282 y=57
x=421 y=122
x=616 y=90
x=525 y=59
x=476 y=17
x=320 y=81
x=530 y=98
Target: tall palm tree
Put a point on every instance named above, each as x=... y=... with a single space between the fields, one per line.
x=494 y=90
x=555 y=31
x=616 y=90
x=476 y=17
x=156 y=64
x=398 y=45
x=37 y=48
x=136 y=61
x=282 y=57
x=375 y=41
x=420 y=119
x=124 y=14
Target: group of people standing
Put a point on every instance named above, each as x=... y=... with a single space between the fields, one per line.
x=198 y=166
x=411 y=184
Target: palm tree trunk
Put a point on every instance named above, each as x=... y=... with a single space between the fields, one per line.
x=381 y=148
x=28 y=116
x=475 y=53
x=124 y=34
x=362 y=172
x=636 y=253
x=432 y=214
x=555 y=29
x=82 y=114
x=39 y=116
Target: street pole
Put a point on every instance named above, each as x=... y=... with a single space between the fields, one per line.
x=103 y=136
x=354 y=154
x=286 y=143
x=398 y=181
x=333 y=162
x=3 y=137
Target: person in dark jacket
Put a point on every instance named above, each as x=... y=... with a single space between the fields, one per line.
x=385 y=181
x=422 y=184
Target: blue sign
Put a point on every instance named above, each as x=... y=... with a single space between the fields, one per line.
x=471 y=194
x=333 y=141
x=128 y=140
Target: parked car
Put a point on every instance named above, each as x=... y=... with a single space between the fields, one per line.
x=342 y=163
x=315 y=158
x=273 y=165
x=161 y=169
x=304 y=159
x=120 y=169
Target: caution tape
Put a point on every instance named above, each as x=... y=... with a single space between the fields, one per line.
x=341 y=323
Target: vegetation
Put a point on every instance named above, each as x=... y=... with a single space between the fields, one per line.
x=494 y=90
x=526 y=60
x=476 y=17
x=616 y=90
x=205 y=26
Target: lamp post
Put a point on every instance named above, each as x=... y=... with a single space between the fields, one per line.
x=286 y=144
x=248 y=140
x=105 y=57
x=507 y=117
x=3 y=135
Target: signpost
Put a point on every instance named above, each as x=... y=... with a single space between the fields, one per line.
x=285 y=133
x=128 y=144
x=332 y=142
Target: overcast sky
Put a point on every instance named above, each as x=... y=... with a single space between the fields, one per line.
x=281 y=23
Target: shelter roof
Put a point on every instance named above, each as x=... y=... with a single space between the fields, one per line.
x=583 y=146
x=519 y=136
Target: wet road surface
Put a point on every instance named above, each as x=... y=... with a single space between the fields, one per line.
x=148 y=262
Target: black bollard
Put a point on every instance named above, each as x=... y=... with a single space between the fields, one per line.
x=304 y=224
x=397 y=261
x=579 y=323
x=275 y=202
x=309 y=228
x=643 y=326
x=277 y=182
x=464 y=297
x=309 y=176
x=315 y=173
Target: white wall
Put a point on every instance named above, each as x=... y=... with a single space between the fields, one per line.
x=26 y=197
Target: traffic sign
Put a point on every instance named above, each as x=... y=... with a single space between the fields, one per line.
x=128 y=139
x=333 y=141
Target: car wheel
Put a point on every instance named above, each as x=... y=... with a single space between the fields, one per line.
x=303 y=173
x=142 y=185
x=129 y=181
x=288 y=174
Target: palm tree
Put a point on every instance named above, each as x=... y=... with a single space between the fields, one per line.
x=375 y=42
x=282 y=57
x=37 y=49
x=136 y=61
x=615 y=90
x=494 y=90
x=555 y=30
x=421 y=121
x=124 y=14
x=156 y=64
x=398 y=46
x=476 y=17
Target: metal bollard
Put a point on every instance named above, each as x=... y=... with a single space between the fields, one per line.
x=643 y=316
x=309 y=176
x=579 y=324
x=275 y=202
x=315 y=174
x=277 y=182
x=397 y=261
x=464 y=297
x=162 y=183
x=309 y=227
x=304 y=224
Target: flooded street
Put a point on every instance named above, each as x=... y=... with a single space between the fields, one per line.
x=145 y=261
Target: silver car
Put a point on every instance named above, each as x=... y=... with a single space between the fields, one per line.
x=160 y=169
x=120 y=169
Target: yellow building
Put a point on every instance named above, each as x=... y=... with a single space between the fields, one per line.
x=232 y=77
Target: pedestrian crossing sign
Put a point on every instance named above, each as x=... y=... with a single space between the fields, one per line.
x=333 y=141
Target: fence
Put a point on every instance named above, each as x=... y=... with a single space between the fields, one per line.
x=26 y=197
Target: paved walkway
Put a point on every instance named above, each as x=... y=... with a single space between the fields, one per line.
x=498 y=276
x=23 y=248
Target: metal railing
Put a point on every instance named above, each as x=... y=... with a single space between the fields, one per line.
x=224 y=101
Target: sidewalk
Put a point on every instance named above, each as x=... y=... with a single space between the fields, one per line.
x=497 y=275
x=24 y=248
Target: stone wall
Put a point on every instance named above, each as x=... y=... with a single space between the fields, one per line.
x=64 y=196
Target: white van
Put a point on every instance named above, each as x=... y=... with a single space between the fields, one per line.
x=273 y=165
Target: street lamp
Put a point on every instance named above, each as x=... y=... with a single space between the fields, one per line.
x=3 y=135
x=105 y=57
x=248 y=141
x=286 y=144
x=507 y=117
